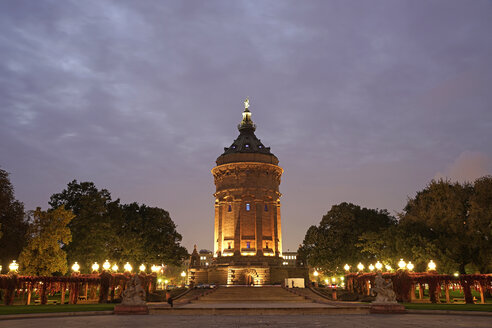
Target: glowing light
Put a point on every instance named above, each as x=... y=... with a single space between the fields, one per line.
x=315 y=273
x=431 y=266
x=360 y=266
x=410 y=266
x=75 y=267
x=456 y=274
x=166 y=281
x=142 y=267
x=342 y=278
x=326 y=281
x=333 y=279
x=388 y=267
x=379 y=266
x=14 y=266
x=95 y=266
x=183 y=274
x=114 y=267
x=155 y=268
x=402 y=264
x=128 y=267
x=346 y=267
x=371 y=267
x=106 y=265
x=246 y=103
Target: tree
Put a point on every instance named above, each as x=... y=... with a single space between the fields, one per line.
x=12 y=222
x=48 y=232
x=92 y=232
x=479 y=223
x=334 y=242
x=148 y=235
x=107 y=230
x=441 y=212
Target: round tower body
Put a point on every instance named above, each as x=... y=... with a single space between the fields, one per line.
x=247 y=200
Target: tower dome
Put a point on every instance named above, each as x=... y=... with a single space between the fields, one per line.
x=247 y=147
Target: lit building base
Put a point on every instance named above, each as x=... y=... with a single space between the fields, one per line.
x=257 y=274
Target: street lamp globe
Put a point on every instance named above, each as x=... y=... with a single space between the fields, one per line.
x=155 y=268
x=402 y=264
x=128 y=267
x=95 y=266
x=360 y=266
x=183 y=274
x=106 y=265
x=14 y=266
x=75 y=267
x=315 y=273
x=371 y=267
x=410 y=266
x=379 y=266
x=431 y=266
x=346 y=267
x=114 y=267
x=142 y=267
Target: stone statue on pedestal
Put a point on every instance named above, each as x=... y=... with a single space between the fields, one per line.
x=134 y=294
x=384 y=290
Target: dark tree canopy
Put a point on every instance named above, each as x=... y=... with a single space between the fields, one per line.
x=13 y=226
x=456 y=218
x=147 y=234
x=334 y=242
x=92 y=233
x=107 y=230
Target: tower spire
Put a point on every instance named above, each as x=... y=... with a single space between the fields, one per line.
x=247 y=122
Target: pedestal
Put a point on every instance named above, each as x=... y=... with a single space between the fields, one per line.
x=131 y=309
x=387 y=308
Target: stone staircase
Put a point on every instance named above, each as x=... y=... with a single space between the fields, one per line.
x=246 y=294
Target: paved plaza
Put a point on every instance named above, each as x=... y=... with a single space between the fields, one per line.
x=206 y=321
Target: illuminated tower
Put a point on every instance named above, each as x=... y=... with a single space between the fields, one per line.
x=247 y=200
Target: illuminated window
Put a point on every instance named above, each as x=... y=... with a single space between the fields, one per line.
x=246 y=146
x=229 y=209
x=248 y=244
x=266 y=208
x=248 y=206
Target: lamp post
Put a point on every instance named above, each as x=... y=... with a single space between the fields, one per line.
x=431 y=266
x=106 y=265
x=76 y=267
x=316 y=275
x=183 y=275
x=14 y=267
x=402 y=264
x=128 y=267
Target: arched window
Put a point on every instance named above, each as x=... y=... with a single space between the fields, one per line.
x=229 y=209
x=248 y=244
x=266 y=208
x=248 y=207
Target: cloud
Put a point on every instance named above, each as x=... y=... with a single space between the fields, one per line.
x=467 y=167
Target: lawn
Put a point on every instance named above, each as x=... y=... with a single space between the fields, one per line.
x=449 y=307
x=21 y=309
